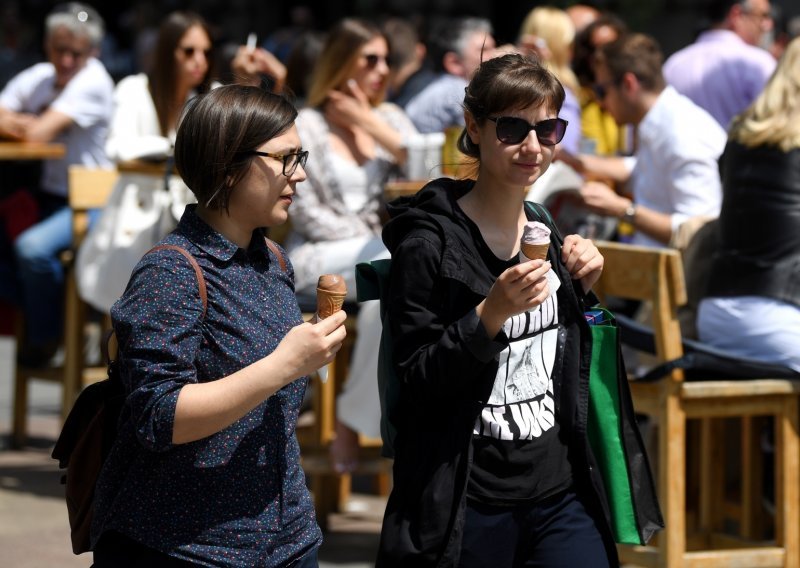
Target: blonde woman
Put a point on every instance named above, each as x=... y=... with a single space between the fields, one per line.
x=549 y=33
x=753 y=308
x=355 y=141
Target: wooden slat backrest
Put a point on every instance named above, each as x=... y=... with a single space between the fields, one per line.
x=89 y=188
x=650 y=275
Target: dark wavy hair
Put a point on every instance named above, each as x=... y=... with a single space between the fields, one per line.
x=218 y=132
x=163 y=76
x=510 y=82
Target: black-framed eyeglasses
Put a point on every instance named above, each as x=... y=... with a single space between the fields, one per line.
x=372 y=60
x=290 y=160
x=513 y=130
x=601 y=90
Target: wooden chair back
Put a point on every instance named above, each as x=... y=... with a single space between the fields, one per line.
x=88 y=189
x=649 y=275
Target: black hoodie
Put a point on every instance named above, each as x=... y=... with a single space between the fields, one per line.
x=440 y=272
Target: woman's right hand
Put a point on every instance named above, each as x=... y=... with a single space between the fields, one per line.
x=310 y=346
x=519 y=289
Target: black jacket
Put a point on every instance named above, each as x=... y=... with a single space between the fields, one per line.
x=446 y=361
x=759 y=225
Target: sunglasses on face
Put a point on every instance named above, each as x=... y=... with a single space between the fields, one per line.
x=513 y=130
x=290 y=160
x=372 y=60
x=601 y=90
x=189 y=51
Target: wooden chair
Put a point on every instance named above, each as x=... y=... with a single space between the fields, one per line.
x=88 y=189
x=331 y=489
x=656 y=275
x=316 y=429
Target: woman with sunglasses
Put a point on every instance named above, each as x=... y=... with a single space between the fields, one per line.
x=146 y=110
x=358 y=141
x=491 y=466
x=205 y=469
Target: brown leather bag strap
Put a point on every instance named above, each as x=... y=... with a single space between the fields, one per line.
x=277 y=252
x=201 y=281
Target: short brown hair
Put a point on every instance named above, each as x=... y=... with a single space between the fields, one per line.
x=635 y=53
x=504 y=83
x=217 y=134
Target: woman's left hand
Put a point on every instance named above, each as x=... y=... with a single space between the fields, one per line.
x=582 y=259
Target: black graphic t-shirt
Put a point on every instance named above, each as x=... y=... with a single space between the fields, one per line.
x=519 y=455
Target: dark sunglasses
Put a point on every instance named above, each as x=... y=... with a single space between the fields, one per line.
x=290 y=160
x=372 y=60
x=189 y=51
x=601 y=90
x=513 y=130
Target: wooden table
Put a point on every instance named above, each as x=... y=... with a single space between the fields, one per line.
x=400 y=188
x=15 y=150
x=148 y=167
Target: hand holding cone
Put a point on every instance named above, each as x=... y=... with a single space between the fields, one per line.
x=331 y=292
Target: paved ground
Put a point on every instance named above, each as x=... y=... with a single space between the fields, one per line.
x=34 y=532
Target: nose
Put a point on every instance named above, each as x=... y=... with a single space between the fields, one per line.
x=531 y=142
x=298 y=175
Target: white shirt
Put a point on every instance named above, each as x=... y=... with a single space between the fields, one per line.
x=676 y=169
x=135 y=131
x=86 y=99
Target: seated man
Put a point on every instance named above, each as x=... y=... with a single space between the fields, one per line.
x=725 y=69
x=456 y=48
x=68 y=100
x=674 y=174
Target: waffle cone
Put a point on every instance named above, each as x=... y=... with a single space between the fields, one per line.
x=534 y=252
x=328 y=303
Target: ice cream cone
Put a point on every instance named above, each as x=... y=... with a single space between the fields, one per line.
x=535 y=251
x=331 y=292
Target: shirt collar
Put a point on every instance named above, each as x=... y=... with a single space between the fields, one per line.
x=652 y=123
x=213 y=243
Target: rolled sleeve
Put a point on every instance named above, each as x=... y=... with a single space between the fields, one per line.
x=158 y=323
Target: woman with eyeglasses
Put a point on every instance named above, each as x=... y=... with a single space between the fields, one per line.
x=205 y=469
x=357 y=141
x=491 y=461
x=146 y=110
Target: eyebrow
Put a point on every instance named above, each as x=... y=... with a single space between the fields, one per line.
x=292 y=150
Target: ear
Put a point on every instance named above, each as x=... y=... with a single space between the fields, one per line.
x=472 y=128
x=630 y=83
x=420 y=51
x=452 y=64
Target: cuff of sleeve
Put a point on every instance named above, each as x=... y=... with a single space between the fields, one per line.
x=477 y=340
x=676 y=219
x=630 y=162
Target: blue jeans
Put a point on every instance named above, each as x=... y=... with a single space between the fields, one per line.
x=556 y=533
x=33 y=280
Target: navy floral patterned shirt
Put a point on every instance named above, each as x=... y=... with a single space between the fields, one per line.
x=238 y=497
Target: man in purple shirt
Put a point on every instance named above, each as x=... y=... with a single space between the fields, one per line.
x=724 y=70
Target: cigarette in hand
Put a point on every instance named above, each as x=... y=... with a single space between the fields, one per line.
x=251 y=42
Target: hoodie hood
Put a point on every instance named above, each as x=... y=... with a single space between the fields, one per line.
x=433 y=214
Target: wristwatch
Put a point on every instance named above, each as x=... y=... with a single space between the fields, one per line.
x=630 y=214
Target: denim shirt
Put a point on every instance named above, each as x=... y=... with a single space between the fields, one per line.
x=237 y=497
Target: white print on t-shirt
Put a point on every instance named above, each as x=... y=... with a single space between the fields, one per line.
x=521 y=405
